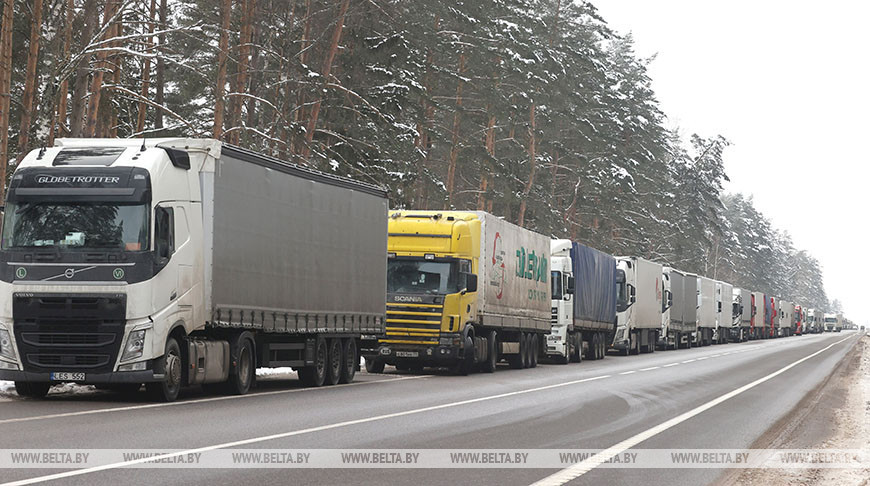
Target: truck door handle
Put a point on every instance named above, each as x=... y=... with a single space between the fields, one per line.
x=173 y=295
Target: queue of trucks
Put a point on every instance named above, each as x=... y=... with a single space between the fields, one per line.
x=179 y=262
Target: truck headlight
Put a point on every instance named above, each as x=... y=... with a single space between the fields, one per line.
x=135 y=345
x=6 y=349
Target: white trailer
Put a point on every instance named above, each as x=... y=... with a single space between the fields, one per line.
x=724 y=312
x=639 y=310
x=742 y=302
x=785 y=317
x=678 y=300
x=707 y=312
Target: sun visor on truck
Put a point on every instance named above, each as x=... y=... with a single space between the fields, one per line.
x=130 y=185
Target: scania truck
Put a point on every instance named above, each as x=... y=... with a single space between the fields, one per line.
x=175 y=262
x=466 y=289
x=639 y=306
x=583 y=287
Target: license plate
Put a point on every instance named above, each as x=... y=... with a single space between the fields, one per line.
x=407 y=354
x=63 y=376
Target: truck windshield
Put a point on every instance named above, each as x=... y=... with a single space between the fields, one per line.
x=423 y=276
x=556 y=285
x=76 y=225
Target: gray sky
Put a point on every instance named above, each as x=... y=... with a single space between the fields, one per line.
x=787 y=84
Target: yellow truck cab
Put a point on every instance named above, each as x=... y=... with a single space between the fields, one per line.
x=464 y=288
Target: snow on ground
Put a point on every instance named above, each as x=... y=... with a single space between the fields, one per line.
x=279 y=372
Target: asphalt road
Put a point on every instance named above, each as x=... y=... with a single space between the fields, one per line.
x=591 y=405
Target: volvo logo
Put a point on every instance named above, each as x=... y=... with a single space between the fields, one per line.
x=69 y=273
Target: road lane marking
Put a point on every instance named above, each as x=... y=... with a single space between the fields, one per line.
x=627 y=372
x=293 y=433
x=651 y=368
x=669 y=365
x=573 y=472
x=689 y=361
x=703 y=357
x=199 y=400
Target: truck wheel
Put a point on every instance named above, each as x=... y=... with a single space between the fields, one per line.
x=334 y=362
x=602 y=343
x=30 y=389
x=524 y=349
x=516 y=360
x=349 y=360
x=463 y=366
x=167 y=390
x=374 y=366
x=592 y=349
x=578 y=348
x=533 y=352
x=243 y=366
x=315 y=375
x=491 y=353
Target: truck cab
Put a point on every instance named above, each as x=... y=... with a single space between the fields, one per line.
x=561 y=345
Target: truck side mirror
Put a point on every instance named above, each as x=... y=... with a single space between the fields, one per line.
x=470 y=282
x=570 y=287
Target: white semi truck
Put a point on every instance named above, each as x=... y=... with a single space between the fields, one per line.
x=743 y=312
x=583 y=282
x=724 y=312
x=639 y=306
x=785 y=318
x=175 y=262
x=833 y=322
x=679 y=314
x=707 y=312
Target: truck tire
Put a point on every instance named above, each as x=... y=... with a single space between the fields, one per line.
x=602 y=343
x=333 y=361
x=349 y=361
x=525 y=344
x=31 y=389
x=533 y=352
x=167 y=390
x=374 y=366
x=592 y=349
x=491 y=353
x=315 y=375
x=516 y=360
x=243 y=365
x=402 y=367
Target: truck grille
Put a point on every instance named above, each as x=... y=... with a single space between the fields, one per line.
x=76 y=332
x=554 y=316
x=413 y=323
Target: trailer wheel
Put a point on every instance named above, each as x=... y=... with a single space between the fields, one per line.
x=30 y=389
x=167 y=390
x=525 y=343
x=374 y=366
x=349 y=360
x=491 y=353
x=533 y=352
x=592 y=350
x=516 y=360
x=316 y=375
x=334 y=362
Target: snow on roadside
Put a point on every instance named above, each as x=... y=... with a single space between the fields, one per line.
x=8 y=393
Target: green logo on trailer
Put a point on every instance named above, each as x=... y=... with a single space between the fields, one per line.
x=118 y=273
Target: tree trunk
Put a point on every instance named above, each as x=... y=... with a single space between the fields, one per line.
x=454 y=149
x=110 y=120
x=241 y=85
x=487 y=169
x=83 y=72
x=224 y=43
x=100 y=68
x=521 y=217
x=58 y=124
x=30 y=79
x=327 y=68
x=424 y=143
x=5 y=88
x=299 y=116
x=161 y=67
x=146 y=69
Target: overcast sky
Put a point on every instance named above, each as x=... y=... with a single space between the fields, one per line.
x=787 y=83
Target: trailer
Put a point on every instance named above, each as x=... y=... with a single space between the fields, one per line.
x=176 y=262
x=678 y=317
x=583 y=287
x=724 y=312
x=707 y=312
x=639 y=310
x=785 y=319
x=743 y=312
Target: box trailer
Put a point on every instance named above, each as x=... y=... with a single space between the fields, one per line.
x=639 y=311
x=758 y=315
x=583 y=287
x=175 y=262
x=464 y=288
x=679 y=315
x=785 y=318
x=707 y=312
x=724 y=312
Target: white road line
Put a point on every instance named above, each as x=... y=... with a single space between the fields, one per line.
x=715 y=355
x=581 y=468
x=669 y=365
x=292 y=433
x=689 y=361
x=651 y=368
x=703 y=357
x=628 y=372
x=201 y=400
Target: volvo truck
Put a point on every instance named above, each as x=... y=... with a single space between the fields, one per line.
x=678 y=315
x=176 y=262
x=833 y=322
x=583 y=288
x=465 y=290
x=639 y=306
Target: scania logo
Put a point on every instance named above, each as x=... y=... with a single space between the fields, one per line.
x=407 y=298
